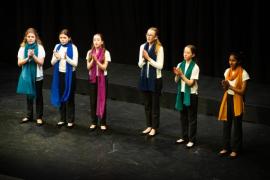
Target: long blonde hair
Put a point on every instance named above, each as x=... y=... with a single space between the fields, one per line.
x=30 y=30
x=157 y=42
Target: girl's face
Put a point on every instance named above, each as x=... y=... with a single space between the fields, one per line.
x=97 y=41
x=233 y=62
x=31 y=38
x=64 y=39
x=150 y=36
x=188 y=55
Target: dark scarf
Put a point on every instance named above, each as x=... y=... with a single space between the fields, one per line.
x=56 y=100
x=148 y=84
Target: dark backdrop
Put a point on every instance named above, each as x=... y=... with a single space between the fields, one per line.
x=214 y=26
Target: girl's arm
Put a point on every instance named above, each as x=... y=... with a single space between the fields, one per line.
x=179 y=74
x=141 y=59
x=160 y=59
x=22 y=61
x=176 y=78
x=189 y=82
x=54 y=59
x=90 y=63
x=240 y=91
x=39 y=61
x=55 y=56
x=89 y=60
x=176 y=72
x=74 y=61
x=194 y=76
x=103 y=65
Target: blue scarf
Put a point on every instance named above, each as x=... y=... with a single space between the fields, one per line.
x=179 y=101
x=148 y=84
x=56 y=100
x=27 y=79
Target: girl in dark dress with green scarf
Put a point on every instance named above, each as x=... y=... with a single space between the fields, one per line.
x=187 y=75
x=31 y=58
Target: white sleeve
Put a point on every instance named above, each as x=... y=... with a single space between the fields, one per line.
x=87 y=55
x=107 y=56
x=21 y=53
x=226 y=72
x=141 y=59
x=160 y=59
x=245 y=76
x=74 y=60
x=54 y=60
x=195 y=72
x=41 y=51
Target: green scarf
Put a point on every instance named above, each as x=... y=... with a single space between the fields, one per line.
x=27 y=79
x=179 y=101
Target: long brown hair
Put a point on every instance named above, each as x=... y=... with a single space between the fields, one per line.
x=157 y=42
x=30 y=30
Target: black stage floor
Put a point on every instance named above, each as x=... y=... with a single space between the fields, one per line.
x=46 y=152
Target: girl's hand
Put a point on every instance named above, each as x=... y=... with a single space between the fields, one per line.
x=30 y=52
x=177 y=71
x=146 y=56
x=95 y=58
x=57 y=55
x=225 y=84
x=90 y=58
